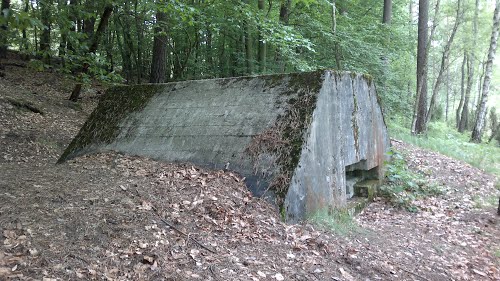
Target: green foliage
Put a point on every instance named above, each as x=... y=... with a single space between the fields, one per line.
x=405 y=186
x=446 y=140
x=37 y=65
x=438 y=113
x=339 y=221
x=488 y=202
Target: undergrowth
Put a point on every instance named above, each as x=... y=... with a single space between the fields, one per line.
x=405 y=186
x=445 y=139
x=338 y=221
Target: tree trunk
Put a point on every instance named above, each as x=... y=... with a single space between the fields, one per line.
x=139 y=27
x=481 y=112
x=284 y=18
x=248 y=45
x=494 y=133
x=248 y=50
x=24 y=44
x=62 y=7
x=73 y=8
x=3 y=30
x=285 y=7
x=89 y=20
x=447 y=93
x=462 y=92
x=93 y=48
x=158 y=61
x=262 y=49
x=128 y=47
x=109 y=50
x=464 y=117
x=45 y=36
x=209 y=51
x=386 y=18
x=421 y=99
x=336 y=46
x=479 y=84
x=223 y=61
x=444 y=63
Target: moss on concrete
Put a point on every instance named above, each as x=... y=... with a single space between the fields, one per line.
x=286 y=138
x=354 y=121
x=103 y=124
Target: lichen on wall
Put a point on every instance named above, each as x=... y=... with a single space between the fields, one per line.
x=103 y=124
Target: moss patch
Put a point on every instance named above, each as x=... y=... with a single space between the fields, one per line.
x=284 y=140
x=103 y=124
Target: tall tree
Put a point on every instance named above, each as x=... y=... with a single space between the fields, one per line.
x=158 y=61
x=464 y=117
x=284 y=18
x=444 y=62
x=4 y=12
x=63 y=27
x=479 y=125
x=45 y=9
x=75 y=94
x=90 y=18
x=418 y=125
x=262 y=48
x=24 y=44
x=248 y=45
x=73 y=17
x=462 y=91
x=336 y=46
x=386 y=17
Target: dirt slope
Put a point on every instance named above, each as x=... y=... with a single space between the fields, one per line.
x=117 y=217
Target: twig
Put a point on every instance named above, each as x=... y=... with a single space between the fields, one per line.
x=26 y=105
x=155 y=211
x=213 y=272
x=78 y=258
x=178 y=230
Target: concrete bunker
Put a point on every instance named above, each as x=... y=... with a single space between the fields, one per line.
x=303 y=140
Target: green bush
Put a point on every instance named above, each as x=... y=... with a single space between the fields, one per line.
x=404 y=186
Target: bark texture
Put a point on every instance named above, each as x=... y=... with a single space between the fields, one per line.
x=477 y=132
x=158 y=62
x=421 y=99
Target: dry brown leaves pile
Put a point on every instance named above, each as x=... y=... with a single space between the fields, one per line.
x=116 y=217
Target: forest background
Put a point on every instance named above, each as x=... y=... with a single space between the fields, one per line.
x=140 y=41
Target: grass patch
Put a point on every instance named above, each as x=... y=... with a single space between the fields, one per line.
x=405 y=186
x=445 y=139
x=497 y=253
x=483 y=203
x=338 y=221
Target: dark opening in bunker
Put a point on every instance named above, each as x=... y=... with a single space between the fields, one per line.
x=357 y=173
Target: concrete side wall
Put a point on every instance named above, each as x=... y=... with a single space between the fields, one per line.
x=347 y=129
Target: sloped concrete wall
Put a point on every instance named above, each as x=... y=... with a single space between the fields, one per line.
x=347 y=132
x=290 y=135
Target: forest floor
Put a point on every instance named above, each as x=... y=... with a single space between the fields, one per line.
x=116 y=217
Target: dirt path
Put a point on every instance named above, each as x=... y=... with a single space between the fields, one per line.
x=455 y=236
x=115 y=217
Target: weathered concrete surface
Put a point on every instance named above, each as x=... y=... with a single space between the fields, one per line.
x=293 y=136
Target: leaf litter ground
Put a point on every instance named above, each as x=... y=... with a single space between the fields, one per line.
x=117 y=217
